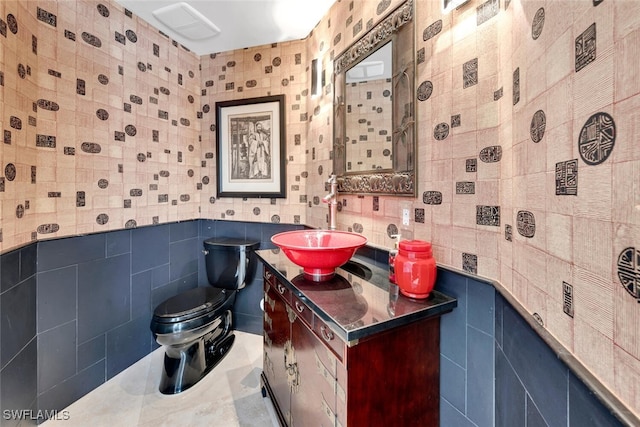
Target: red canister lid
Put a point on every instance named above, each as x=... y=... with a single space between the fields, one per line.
x=415 y=246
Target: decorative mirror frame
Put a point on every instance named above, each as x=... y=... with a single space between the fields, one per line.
x=401 y=179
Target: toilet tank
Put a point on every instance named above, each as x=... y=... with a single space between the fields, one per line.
x=230 y=262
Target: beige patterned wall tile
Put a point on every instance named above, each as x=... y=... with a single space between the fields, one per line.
x=560 y=62
x=626 y=194
x=627 y=116
x=559 y=236
x=595 y=200
x=592 y=249
x=595 y=350
x=627 y=376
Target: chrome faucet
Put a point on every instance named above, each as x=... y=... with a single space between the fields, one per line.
x=332 y=200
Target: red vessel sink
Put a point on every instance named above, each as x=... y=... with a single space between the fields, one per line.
x=319 y=252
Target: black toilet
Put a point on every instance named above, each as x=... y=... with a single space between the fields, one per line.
x=195 y=326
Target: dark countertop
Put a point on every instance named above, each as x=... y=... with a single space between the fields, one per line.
x=357 y=301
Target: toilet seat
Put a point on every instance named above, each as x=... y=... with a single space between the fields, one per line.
x=189 y=310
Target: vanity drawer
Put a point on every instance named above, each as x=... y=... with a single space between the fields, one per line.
x=328 y=337
x=269 y=277
x=302 y=310
x=282 y=290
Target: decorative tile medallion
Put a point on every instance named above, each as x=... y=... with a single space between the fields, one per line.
x=488 y=215
x=526 y=224
x=470 y=263
x=465 y=187
x=471 y=165
x=48 y=228
x=537 y=24
x=516 y=86
x=487 y=10
x=538 y=125
x=425 y=90
x=470 y=73
x=586 y=47
x=91 y=147
x=10 y=171
x=629 y=271
x=432 y=30
x=441 y=131
x=567 y=299
x=597 y=139
x=567 y=178
x=491 y=154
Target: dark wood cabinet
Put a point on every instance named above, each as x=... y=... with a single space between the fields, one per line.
x=315 y=378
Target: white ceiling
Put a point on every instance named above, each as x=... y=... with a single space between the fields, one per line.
x=243 y=23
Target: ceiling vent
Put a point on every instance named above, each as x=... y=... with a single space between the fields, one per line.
x=186 y=21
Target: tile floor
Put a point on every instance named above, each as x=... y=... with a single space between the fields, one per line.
x=228 y=396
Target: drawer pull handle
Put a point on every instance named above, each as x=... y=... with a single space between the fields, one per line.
x=327 y=335
x=281 y=289
x=299 y=307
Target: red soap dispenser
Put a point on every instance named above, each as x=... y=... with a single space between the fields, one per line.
x=415 y=269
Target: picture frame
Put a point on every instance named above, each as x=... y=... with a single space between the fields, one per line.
x=251 y=147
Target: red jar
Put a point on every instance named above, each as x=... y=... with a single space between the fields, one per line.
x=415 y=269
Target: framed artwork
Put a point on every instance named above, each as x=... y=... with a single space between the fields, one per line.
x=251 y=147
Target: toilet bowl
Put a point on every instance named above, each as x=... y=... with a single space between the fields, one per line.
x=195 y=326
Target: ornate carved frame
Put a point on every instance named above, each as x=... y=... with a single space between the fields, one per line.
x=390 y=182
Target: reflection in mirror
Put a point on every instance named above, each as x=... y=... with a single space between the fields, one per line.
x=374 y=114
x=368 y=95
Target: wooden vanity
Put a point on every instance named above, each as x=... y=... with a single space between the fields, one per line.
x=347 y=352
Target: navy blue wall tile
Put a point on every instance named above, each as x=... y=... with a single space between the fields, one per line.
x=534 y=417
x=454 y=384
x=56 y=297
x=18 y=382
x=10 y=270
x=18 y=308
x=126 y=345
x=451 y=417
x=499 y=309
x=56 y=356
x=537 y=367
x=104 y=288
x=74 y=250
x=481 y=309
x=141 y=295
x=453 y=338
x=510 y=395
x=230 y=229
x=585 y=409
x=184 y=257
x=183 y=230
x=480 y=376
x=91 y=352
x=207 y=228
x=67 y=392
x=149 y=247
x=160 y=275
x=118 y=242
x=257 y=232
x=28 y=261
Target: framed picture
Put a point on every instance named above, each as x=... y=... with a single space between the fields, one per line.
x=251 y=147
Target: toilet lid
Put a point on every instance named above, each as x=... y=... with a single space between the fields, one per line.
x=189 y=304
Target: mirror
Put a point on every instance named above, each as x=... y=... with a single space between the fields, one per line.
x=374 y=131
x=369 y=94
